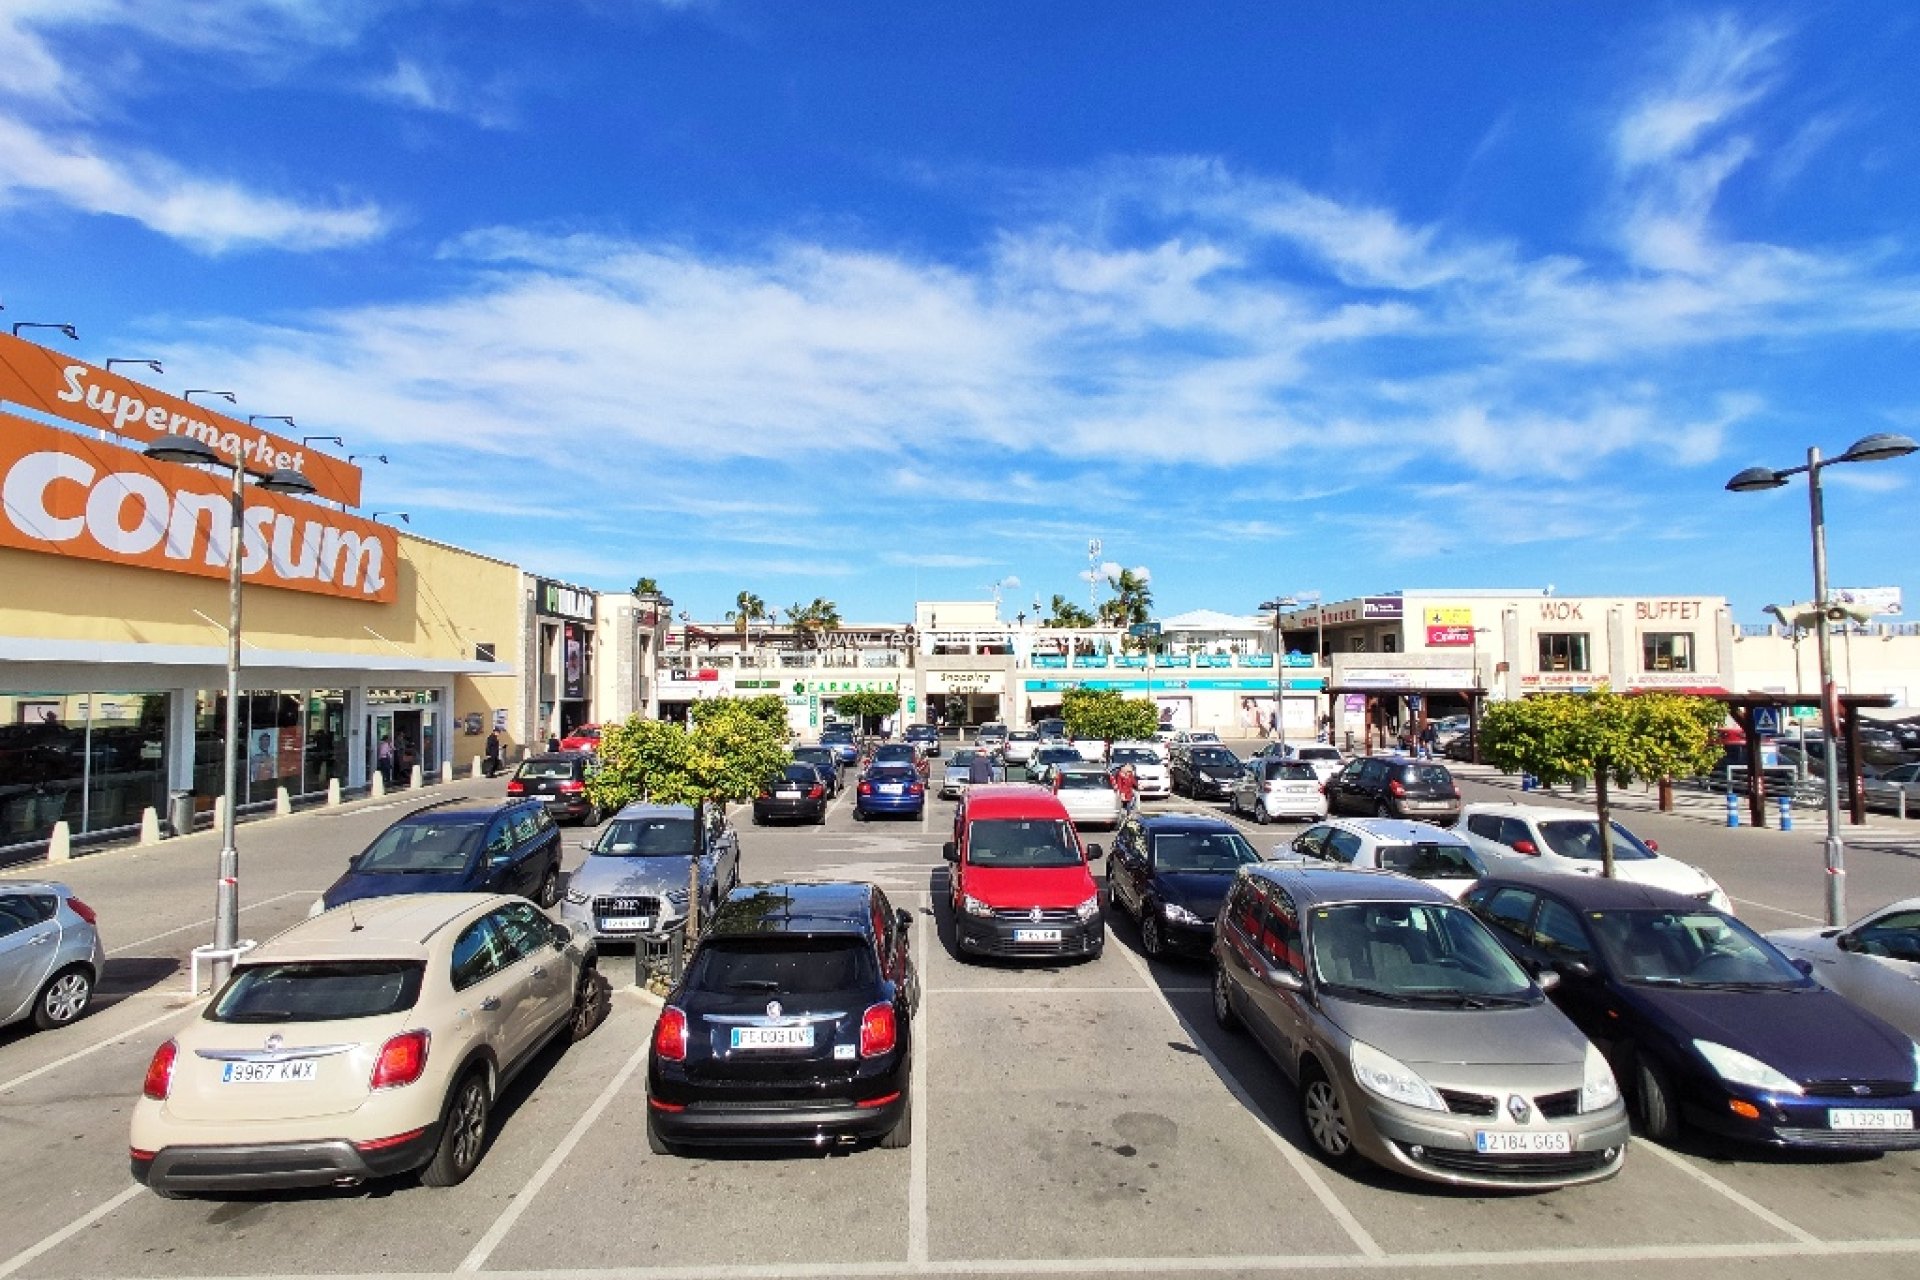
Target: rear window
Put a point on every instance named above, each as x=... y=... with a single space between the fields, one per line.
x=1431 y=861
x=1135 y=755
x=878 y=774
x=804 y=773
x=1023 y=735
x=646 y=837
x=545 y=770
x=784 y=964
x=1022 y=842
x=1293 y=771
x=421 y=848
x=1217 y=757
x=329 y=991
x=1318 y=753
x=1425 y=775
x=1085 y=780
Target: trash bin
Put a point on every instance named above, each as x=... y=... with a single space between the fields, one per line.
x=180 y=812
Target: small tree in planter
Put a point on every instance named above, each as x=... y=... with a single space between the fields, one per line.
x=1102 y=715
x=869 y=705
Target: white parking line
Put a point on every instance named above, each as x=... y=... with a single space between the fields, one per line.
x=67 y=1232
x=487 y=1243
x=1063 y=991
x=1779 y=911
x=201 y=924
x=917 y=1153
x=117 y=1037
x=1706 y=1179
x=1362 y=1239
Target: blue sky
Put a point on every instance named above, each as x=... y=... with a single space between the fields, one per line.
x=866 y=301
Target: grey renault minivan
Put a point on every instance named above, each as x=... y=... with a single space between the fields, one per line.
x=1412 y=1037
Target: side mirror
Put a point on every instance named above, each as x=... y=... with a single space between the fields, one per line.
x=1527 y=847
x=499 y=859
x=1094 y=851
x=902 y=917
x=950 y=851
x=1848 y=942
x=1548 y=980
x=1804 y=965
x=1652 y=844
x=1285 y=980
x=561 y=936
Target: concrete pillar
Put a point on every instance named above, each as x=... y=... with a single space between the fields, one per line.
x=282 y=803
x=149 y=825
x=333 y=792
x=60 y=845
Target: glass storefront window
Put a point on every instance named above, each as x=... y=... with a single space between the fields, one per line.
x=326 y=738
x=273 y=726
x=93 y=760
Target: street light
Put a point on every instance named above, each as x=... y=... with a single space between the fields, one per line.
x=69 y=330
x=336 y=440
x=188 y=451
x=404 y=517
x=1279 y=668
x=150 y=364
x=380 y=458
x=201 y=391
x=1878 y=447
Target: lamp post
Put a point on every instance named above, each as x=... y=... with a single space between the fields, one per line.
x=72 y=333
x=1279 y=668
x=191 y=452
x=1879 y=447
x=149 y=364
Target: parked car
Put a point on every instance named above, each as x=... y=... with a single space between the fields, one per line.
x=798 y=793
x=1395 y=787
x=1086 y=792
x=1417 y=849
x=1021 y=744
x=1326 y=760
x=1152 y=781
x=792 y=1026
x=1874 y=962
x=925 y=737
x=992 y=734
x=1567 y=841
x=890 y=789
x=841 y=739
x=50 y=954
x=635 y=878
x=1020 y=883
x=959 y=765
x=1277 y=788
x=1045 y=758
x=1459 y=747
x=360 y=1044
x=1710 y=1025
x=1412 y=1037
x=824 y=758
x=902 y=754
x=457 y=848
x=584 y=737
x=559 y=781
x=1051 y=727
x=1887 y=790
x=1170 y=872
x=1205 y=771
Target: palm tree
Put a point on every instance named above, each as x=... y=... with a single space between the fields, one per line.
x=751 y=609
x=814 y=620
x=1132 y=599
x=1067 y=614
x=647 y=587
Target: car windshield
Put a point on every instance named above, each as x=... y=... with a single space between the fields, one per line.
x=1431 y=860
x=1294 y=771
x=545 y=770
x=1214 y=757
x=1022 y=842
x=894 y=751
x=1580 y=838
x=837 y=735
x=1085 y=780
x=1690 y=949
x=646 y=838
x=785 y=964
x=1318 y=753
x=1202 y=851
x=813 y=755
x=1135 y=755
x=804 y=774
x=1049 y=754
x=1413 y=953
x=318 y=991
x=421 y=847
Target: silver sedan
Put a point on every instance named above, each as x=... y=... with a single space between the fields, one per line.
x=1875 y=962
x=50 y=954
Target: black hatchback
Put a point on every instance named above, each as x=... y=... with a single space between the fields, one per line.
x=458 y=848
x=792 y=1026
x=558 y=779
x=1205 y=772
x=798 y=793
x=1395 y=787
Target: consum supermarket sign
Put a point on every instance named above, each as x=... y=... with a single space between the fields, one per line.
x=66 y=495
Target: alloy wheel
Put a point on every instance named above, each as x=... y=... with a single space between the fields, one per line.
x=66 y=997
x=1326 y=1123
x=469 y=1121
x=1150 y=934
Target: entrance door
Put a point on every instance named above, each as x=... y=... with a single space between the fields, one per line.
x=379 y=729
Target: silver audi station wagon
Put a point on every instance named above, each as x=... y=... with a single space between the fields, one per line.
x=635 y=878
x=1412 y=1037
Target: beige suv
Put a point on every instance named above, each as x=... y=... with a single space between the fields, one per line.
x=370 y=1040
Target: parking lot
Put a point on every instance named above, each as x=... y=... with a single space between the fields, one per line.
x=1075 y=1120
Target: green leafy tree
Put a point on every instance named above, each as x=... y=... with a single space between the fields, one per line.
x=768 y=708
x=868 y=704
x=815 y=620
x=647 y=587
x=1132 y=599
x=1064 y=613
x=727 y=754
x=1103 y=715
x=1610 y=739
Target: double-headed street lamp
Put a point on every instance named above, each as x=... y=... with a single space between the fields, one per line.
x=1879 y=447
x=191 y=452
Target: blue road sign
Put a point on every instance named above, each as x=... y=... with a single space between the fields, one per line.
x=1766 y=721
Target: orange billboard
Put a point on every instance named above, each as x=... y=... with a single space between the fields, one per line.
x=67 y=495
x=46 y=381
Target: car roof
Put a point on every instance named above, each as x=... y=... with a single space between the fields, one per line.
x=1399 y=829
x=1165 y=823
x=391 y=928
x=648 y=809
x=1595 y=893
x=461 y=810
x=558 y=755
x=34 y=886
x=1012 y=800
x=1531 y=811
x=836 y=906
x=1317 y=886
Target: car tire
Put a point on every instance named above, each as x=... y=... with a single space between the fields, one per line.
x=549 y=888
x=1380 y=809
x=463 y=1132
x=1223 y=1010
x=584 y=1017
x=1324 y=1119
x=1260 y=814
x=655 y=1143
x=64 y=998
x=900 y=1136
x=592 y=816
x=1152 y=941
x=1654 y=1102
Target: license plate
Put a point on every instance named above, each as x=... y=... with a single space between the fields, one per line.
x=268 y=1072
x=626 y=924
x=544 y=799
x=890 y=788
x=773 y=1037
x=1036 y=935
x=786 y=793
x=1878 y=1118
x=1546 y=1142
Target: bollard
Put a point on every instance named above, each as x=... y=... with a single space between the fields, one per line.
x=333 y=791
x=282 y=803
x=219 y=813
x=1900 y=802
x=1786 y=813
x=475 y=771
x=378 y=786
x=60 y=846
x=1733 y=809
x=149 y=825
x=446 y=771
x=413 y=778
x=1527 y=782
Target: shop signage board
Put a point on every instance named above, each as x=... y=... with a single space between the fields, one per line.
x=1397 y=678
x=573 y=661
x=50 y=382
x=1141 y=684
x=1884 y=601
x=1449 y=627
x=67 y=495
x=966 y=681
x=558 y=600
x=848 y=685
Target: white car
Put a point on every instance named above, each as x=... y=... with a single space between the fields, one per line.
x=1568 y=841
x=1157 y=746
x=1874 y=962
x=1020 y=746
x=1441 y=857
x=1270 y=789
x=1086 y=793
x=1151 y=779
x=1326 y=760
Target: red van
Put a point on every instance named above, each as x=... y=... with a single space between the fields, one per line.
x=1021 y=881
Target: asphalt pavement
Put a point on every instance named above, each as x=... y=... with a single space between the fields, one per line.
x=1084 y=1119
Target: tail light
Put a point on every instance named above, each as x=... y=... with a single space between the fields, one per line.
x=914 y=789
x=572 y=788
x=516 y=787
x=670 y=1035
x=879 y=1032
x=1394 y=786
x=403 y=1060
x=160 y=1072
x=86 y=912
x=816 y=791
x=866 y=788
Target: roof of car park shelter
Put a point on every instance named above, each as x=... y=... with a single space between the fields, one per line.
x=1214 y=620
x=839 y=906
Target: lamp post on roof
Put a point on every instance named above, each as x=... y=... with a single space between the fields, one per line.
x=149 y=364
x=72 y=333
x=1879 y=447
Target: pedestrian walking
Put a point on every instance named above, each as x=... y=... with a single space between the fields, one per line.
x=1429 y=739
x=383 y=756
x=980 y=768
x=1126 y=784
x=492 y=763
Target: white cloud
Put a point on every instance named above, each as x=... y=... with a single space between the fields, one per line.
x=439 y=91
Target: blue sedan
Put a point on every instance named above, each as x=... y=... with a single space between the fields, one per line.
x=1705 y=1023
x=893 y=789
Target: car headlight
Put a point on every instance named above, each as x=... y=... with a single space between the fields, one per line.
x=1598 y=1088
x=1177 y=914
x=1089 y=910
x=1916 y=1067
x=1735 y=1067
x=1391 y=1079
x=319 y=905
x=576 y=898
x=973 y=906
